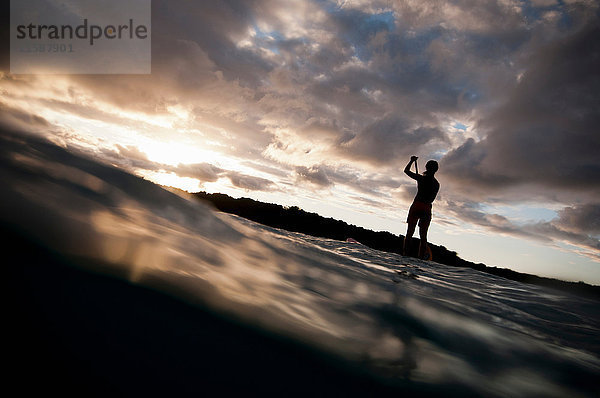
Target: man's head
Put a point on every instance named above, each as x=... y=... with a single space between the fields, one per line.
x=431 y=167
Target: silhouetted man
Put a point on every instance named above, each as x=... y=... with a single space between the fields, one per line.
x=420 y=210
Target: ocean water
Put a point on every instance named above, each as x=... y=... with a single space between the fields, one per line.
x=399 y=318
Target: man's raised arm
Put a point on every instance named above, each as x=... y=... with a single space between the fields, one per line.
x=407 y=171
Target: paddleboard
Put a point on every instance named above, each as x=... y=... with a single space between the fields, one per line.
x=428 y=254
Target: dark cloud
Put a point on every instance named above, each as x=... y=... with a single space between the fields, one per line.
x=13 y=117
x=473 y=213
x=576 y=226
x=210 y=31
x=546 y=133
x=279 y=171
x=316 y=175
x=393 y=139
x=129 y=158
x=553 y=230
x=248 y=182
x=466 y=166
x=132 y=152
x=582 y=219
x=204 y=172
x=373 y=185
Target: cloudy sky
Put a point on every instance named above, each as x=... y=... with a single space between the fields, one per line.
x=320 y=104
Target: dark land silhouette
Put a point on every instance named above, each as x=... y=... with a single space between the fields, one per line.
x=297 y=220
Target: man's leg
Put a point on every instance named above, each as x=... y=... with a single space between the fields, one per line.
x=423 y=228
x=412 y=224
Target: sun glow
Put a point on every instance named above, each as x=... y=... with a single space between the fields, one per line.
x=174 y=153
x=171 y=180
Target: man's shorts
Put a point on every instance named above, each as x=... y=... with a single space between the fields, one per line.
x=421 y=212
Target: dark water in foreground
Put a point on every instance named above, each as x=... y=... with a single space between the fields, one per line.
x=307 y=303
